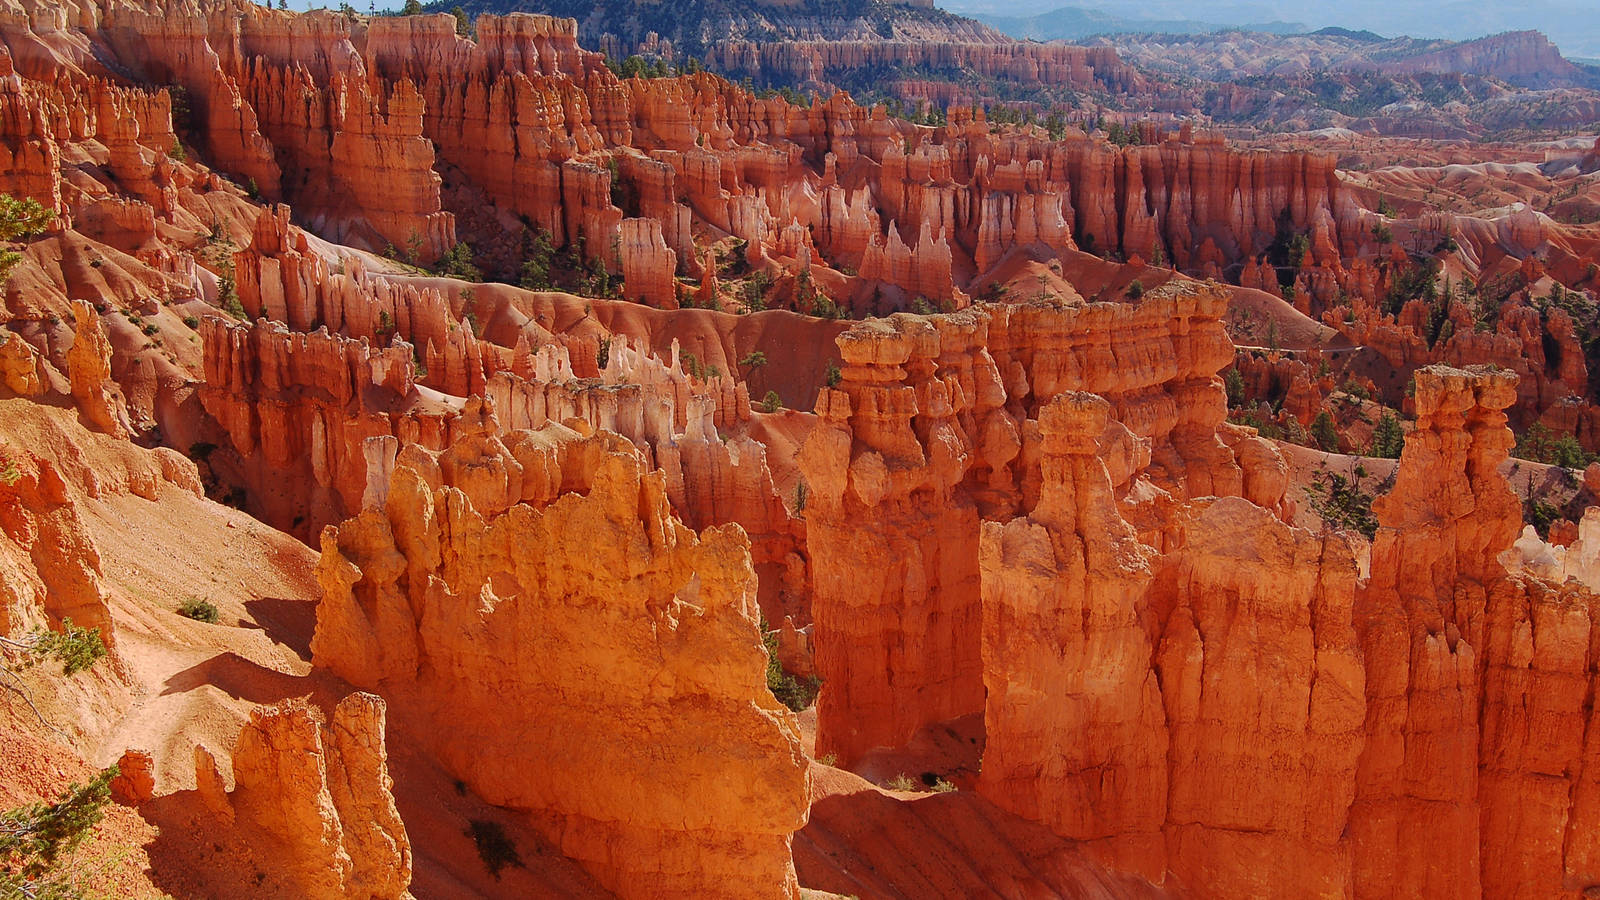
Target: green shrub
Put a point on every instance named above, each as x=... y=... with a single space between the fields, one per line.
x=1135 y=289
x=1233 y=384
x=228 y=296
x=198 y=610
x=35 y=839
x=1343 y=504
x=19 y=220
x=75 y=648
x=795 y=693
x=1540 y=444
x=494 y=846
x=1540 y=515
x=458 y=263
x=536 y=267
x=1323 y=432
x=754 y=291
x=771 y=403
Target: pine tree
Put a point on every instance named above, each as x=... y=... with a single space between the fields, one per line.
x=36 y=841
x=1388 y=438
x=1322 y=431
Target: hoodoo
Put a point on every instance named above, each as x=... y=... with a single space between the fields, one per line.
x=510 y=455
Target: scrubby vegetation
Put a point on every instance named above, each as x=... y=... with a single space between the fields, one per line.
x=1342 y=503
x=76 y=649
x=37 y=842
x=495 y=848
x=198 y=610
x=795 y=693
x=20 y=219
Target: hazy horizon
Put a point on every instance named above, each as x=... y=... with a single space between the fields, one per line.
x=1570 y=25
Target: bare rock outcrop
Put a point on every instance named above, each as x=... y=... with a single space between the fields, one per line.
x=89 y=365
x=1068 y=663
x=932 y=429
x=573 y=686
x=310 y=813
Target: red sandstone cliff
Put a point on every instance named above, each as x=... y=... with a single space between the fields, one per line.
x=540 y=131
x=453 y=592
x=310 y=813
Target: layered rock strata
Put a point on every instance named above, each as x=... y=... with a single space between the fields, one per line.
x=316 y=109
x=310 y=813
x=1347 y=711
x=634 y=664
x=931 y=429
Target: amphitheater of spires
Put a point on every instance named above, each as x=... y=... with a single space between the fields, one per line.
x=507 y=582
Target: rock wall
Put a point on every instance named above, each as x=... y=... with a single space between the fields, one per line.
x=1264 y=719
x=530 y=128
x=930 y=430
x=310 y=813
x=1067 y=662
x=826 y=63
x=1424 y=642
x=626 y=668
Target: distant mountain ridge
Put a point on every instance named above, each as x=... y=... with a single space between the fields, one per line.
x=1071 y=23
x=1523 y=59
x=1572 y=24
x=693 y=26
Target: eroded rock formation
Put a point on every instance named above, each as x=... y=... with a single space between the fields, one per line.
x=929 y=431
x=310 y=813
x=453 y=593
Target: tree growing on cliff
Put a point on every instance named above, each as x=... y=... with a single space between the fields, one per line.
x=458 y=263
x=20 y=219
x=1233 y=384
x=1323 y=432
x=536 y=267
x=795 y=693
x=411 y=8
x=1540 y=444
x=76 y=649
x=228 y=295
x=1343 y=504
x=1388 y=438
x=37 y=841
